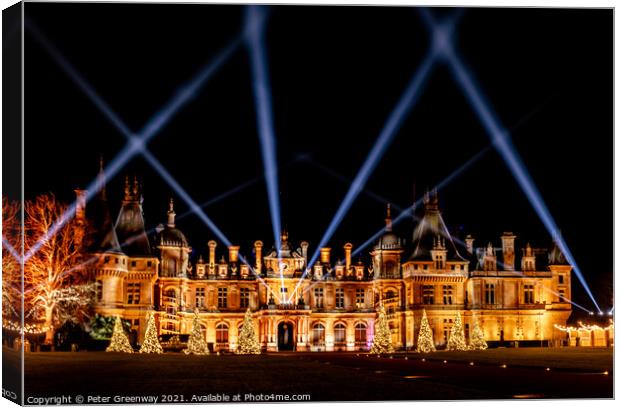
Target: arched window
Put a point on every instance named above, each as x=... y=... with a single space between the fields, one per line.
x=221 y=333
x=340 y=334
x=170 y=295
x=318 y=334
x=360 y=334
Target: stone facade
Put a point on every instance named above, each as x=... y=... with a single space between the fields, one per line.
x=327 y=306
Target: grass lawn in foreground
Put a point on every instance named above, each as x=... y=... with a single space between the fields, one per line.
x=337 y=376
x=589 y=359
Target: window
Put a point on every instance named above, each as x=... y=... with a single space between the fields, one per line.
x=99 y=288
x=283 y=289
x=562 y=295
x=561 y=279
x=489 y=293
x=428 y=294
x=528 y=294
x=339 y=297
x=360 y=334
x=170 y=295
x=318 y=334
x=244 y=298
x=359 y=298
x=133 y=293
x=439 y=263
x=340 y=334
x=318 y=297
x=447 y=326
x=116 y=260
x=200 y=297
x=149 y=263
x=133 y=263
x=426 y=267
x=448 y=292
x=222 y=297
x=221 y=334
x=106 y=259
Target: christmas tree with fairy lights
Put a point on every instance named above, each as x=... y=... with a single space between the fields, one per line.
x=425 y=336
x=457 y=335
x=382 y=342
x=196 y=345
x=477 y=342
x=119 y=341
x=151 y=343
x=248 y=343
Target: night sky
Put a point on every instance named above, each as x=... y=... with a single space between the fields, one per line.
x=336 y=74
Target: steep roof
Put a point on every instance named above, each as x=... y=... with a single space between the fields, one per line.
x=432 y=232
x=104 y=237
x=130 y=223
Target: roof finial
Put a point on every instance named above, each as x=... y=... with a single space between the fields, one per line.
x=388 y=218
x=171 y=213
x=101 y=180
x=126 y=189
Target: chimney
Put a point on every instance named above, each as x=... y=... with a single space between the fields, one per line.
x=233 y=254
x=325 y=254
x=508 y=250
x=347 y=255
x=469 y=243
x=258 y=251
x=212 y=246
x=80 y=208
x=304 y=250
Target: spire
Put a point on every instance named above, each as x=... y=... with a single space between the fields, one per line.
x=388 y=219
x=171 y=213
x=126 y=190
x=431 y=200
x=101 y=181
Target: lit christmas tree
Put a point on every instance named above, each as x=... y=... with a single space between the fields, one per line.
x=477 y=342
x=151 y=343
x=425 y=336
x=248 y=343
x=382 y=342
x=119 y=341
x=196 y=344
x=457 y=335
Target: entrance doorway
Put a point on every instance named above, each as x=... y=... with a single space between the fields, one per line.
x=286 y=336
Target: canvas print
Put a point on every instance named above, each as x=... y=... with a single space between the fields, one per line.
x=303 y=203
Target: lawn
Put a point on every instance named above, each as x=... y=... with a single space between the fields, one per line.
x=589 y=359
x=327 y=376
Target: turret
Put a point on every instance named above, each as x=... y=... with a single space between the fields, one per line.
x=171 y=213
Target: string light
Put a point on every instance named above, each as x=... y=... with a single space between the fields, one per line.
x=248 y=342
x=477 y=342
x=382 y=342
x=425 y=336
x=457 y=335
x=151 y=343
x=119 y=341
x=196 y=343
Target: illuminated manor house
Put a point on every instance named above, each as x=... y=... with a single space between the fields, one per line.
x=515 y=295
